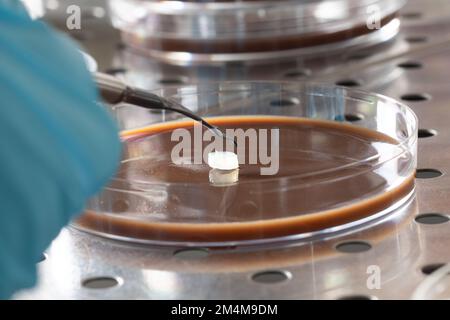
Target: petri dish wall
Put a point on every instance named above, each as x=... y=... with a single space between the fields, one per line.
x=333 y=158
x=186 y=32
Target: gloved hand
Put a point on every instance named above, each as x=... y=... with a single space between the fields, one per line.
x=58 y=146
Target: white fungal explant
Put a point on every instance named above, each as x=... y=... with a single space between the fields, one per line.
x=225 y=168
x=224 y=160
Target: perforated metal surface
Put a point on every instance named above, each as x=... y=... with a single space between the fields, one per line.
x=399 y=245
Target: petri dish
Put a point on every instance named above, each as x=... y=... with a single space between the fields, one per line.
x=304 y=170
x=184 y=32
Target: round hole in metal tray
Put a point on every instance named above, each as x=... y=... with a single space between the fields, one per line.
x=427 y=133
x=415 y=97
x=348 y=83
x=353 y=246
x=271 y=276
x=191 y=254
x=100 y=282
x=427 y=173
x=430 y=268
x=431 y=218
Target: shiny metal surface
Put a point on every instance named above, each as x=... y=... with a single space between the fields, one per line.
x=399 y=246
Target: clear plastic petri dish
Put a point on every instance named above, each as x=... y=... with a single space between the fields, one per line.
x=216 y=31
x=313 y=160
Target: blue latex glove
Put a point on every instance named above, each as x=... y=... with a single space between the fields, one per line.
x=58 y=146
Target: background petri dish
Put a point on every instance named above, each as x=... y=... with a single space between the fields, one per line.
x=217 y=31
x=333 y=174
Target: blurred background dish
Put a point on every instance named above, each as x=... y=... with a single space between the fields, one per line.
x=213 y=31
